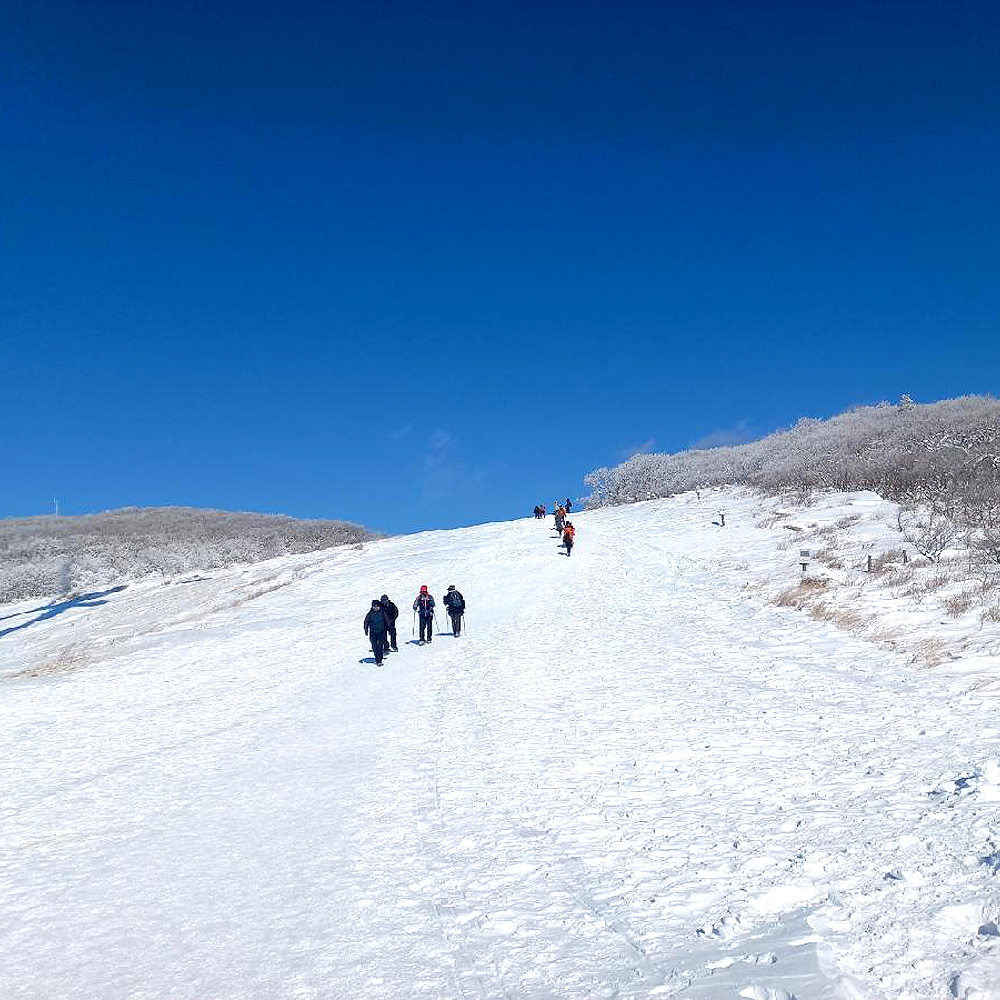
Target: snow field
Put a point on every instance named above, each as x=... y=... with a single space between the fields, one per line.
x=632 y=777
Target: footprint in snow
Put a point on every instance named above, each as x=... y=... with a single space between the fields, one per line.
x=724 y=928
x=765 y=993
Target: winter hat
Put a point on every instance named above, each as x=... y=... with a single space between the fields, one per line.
x=375 y=604
x=451 y=586
x=384 y=597
x=423 y=589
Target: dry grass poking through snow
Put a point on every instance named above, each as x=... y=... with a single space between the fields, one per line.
x=799 y=597
x=829 y=558
x=937 y=611
x=887 y=560
x=68 y=660
x=959 y=603
x=261 y=587
x=930 y=652
x=822 y=600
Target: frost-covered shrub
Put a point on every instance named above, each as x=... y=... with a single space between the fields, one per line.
x=20 y=582
x=917 y=453
x=982 y=523
x=931 y=530
x=958 y=604
x=884 y=560
x=42 y=556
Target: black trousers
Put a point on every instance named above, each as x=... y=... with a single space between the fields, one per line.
x=456 y=622
x=378 y=645
x=426 y=628
x=392 y=636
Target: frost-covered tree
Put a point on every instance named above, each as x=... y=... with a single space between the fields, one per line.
x=49 y=555
x=914 y=453
x=930 y=530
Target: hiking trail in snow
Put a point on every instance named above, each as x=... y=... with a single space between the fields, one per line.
x=632 y=777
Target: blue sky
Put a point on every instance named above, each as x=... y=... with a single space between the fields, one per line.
x=423 y=265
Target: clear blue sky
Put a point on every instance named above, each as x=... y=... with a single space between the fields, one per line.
x=426 y=264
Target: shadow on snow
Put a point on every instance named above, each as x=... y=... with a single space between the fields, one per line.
x=91 y=600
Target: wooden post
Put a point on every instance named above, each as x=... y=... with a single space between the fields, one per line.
x=722 y=519
x=804 y=555
x=869 y=563
x=904 y=557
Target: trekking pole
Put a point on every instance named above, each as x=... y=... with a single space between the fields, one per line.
x=413 y=630
x=464 y=629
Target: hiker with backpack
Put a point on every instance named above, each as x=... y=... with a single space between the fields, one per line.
x=569 y=536
x=455 y=603
x=424 y=607
x=560 y=516
x=376 y=628
x=568 y=505
x=391 y=614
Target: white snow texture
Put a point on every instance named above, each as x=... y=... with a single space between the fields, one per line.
x=632 y=777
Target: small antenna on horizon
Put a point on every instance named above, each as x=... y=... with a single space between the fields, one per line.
x=55 y=503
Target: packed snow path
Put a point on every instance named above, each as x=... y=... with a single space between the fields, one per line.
x=630 y=778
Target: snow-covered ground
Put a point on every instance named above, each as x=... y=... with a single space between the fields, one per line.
x=635 y=776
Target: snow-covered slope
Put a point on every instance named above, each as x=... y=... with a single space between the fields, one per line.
x=633 y=777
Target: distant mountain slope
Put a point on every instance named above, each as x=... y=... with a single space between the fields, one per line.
x=48 y=555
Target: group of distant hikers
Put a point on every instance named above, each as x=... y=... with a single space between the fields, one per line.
x=563 y=524
x=380 y=622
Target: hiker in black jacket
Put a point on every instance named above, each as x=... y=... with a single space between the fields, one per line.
x=375 y=629
x=391 y=614
x=424 y=607
x=455 y=603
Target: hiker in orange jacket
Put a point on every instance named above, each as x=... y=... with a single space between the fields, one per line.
x=569 y=536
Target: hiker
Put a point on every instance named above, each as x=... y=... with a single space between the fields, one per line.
x=391 y=614
x=455 y=603
x=538 y=512
x=568 y=505
x=424 y=607
x=569 y=535
x=375 y=629
x=542 y=509
x=560 y=519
